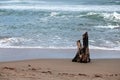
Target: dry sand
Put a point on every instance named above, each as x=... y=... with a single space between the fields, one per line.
x=60 y=69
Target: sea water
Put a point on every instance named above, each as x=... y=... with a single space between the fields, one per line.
x=59 y=23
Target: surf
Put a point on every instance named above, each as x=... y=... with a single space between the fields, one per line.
x=64 y=7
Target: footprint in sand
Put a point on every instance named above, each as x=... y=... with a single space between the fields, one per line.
x=29 y=65
x=82 y=74
x=47 y=72
x=8 y=68
x=67 y=74
x=62 y=74
x=98 y=75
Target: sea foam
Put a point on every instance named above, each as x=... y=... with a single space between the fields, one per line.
x=63 y=7
x=108 y=26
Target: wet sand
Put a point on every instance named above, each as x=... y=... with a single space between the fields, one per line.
x=14 y=54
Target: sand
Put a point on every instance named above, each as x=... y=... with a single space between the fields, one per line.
x=14 y=54
x=60 y=69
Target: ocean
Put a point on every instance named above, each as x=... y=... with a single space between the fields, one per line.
x=59 y=23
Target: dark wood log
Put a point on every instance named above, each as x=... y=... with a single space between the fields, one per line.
x=82 y=55
x=85 y=39
x=85 y=52
x=77 y=56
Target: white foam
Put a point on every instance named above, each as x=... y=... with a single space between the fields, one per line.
x=7 y=42
x=64 y=7
x=91 y=13
x=112 y=16
x=40 y=47
x=23 y=1
x=109 y=16
x=54 y=14
x=53 y=47
x=11 y=1
x=109 y=26
x=104 y=48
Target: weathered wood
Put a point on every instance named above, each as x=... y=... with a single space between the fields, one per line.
x=85 y=39
x=85 y=52
x=77 y=56
x=82 y=55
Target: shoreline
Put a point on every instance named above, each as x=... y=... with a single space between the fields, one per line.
x=56 y=64
x=62 y=48
x=16 y=54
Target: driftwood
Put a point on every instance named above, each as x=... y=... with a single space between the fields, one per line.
x=82 y=54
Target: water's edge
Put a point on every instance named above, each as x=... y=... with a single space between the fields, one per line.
x=15 y=54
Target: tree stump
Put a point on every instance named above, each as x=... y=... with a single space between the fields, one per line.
x=82 y=54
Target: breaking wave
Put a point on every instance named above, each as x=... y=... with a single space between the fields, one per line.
x=23 y=1
x=112 y=16
x=9 y=42
x=52 y=14
x=64 y=7
x=109 y=16
x=109 y=26
x=104 y=48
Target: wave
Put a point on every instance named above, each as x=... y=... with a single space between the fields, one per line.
x=19 y=43
x=112 y=16
x=105 y=48
x=109 y=26
x=63 y=7
x=106 y=15
x=52 y=14
x=54 y=47
x=23 y=1
x=9 y=42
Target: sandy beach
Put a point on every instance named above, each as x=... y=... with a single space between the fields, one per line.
x=60 y=69
x=56 y=64
x=39 y=39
